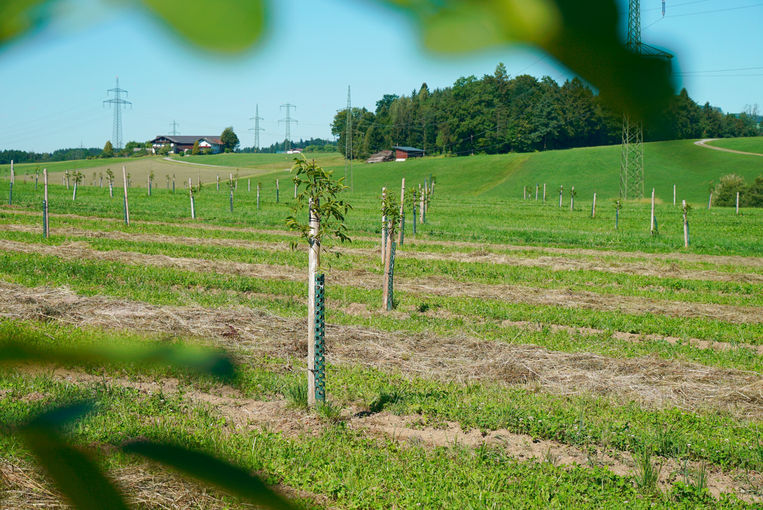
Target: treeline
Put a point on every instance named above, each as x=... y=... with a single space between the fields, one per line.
x=309 y=145
x=499 y=114
x=41 y=157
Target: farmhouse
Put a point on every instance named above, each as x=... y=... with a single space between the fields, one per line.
x=403 y=153
x=178 y=143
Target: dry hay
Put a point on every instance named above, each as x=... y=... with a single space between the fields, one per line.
x=23 y=486
x=650 y=381
x=440 y=286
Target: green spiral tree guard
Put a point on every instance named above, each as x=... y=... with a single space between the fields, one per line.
x=402 y=228
x=320 y=346
x=45 y=219
x=390 y=282
x=10 y=195
x=231 y=201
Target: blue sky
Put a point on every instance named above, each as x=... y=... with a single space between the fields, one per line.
x=54 y=81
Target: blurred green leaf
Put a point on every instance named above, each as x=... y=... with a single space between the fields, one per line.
x=201 y=361
x=222 y=25
x=20 y=16
x=78 y=478
x=584 y=36
x=212 y=470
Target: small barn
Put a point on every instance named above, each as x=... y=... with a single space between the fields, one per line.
x=402 y=153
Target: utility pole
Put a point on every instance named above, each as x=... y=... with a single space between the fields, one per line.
x=288 y=122
x=118 y=103
x=256 y=127
x=174 y=128
x=348 y=140
x=632 y=152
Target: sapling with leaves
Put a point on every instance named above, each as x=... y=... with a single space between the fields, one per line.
x=411 y=199
x=685 y=208
x=319 y=196
x=150 y=181
x=77 y=177
x=391 y=214
x=573 y=194
x=231 y=189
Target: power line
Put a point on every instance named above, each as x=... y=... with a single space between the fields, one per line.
x=256 y=127
x=288 y=122
x=118 y=103
x=759 y=4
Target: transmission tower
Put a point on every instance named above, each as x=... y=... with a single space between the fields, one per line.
x=632 y=153
x=118 y=103
x=256 y=127
x=288 y=122
x=174 y=128
x=348 y=140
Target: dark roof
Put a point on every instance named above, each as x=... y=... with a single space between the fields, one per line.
x=407 y=149
x=188 y=140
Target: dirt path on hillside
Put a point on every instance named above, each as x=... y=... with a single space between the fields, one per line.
x=555 y=263
x=735 y=260
x=437 y=286
x=703 y=143
x=653 y=382
x=250 y=414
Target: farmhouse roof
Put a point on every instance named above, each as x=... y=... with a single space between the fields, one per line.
x=189 y=140
x=407 y=149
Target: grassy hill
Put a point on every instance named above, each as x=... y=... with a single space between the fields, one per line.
x=752 y=144
x=692 y=168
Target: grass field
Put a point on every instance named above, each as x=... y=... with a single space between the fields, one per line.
x=536 y=358
x=753 y=144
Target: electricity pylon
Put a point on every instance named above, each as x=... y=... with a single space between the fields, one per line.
x=632 y=152
x=288 y=121
x=118 y=103
x=256 y=127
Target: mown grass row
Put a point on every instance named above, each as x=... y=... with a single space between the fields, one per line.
x=167 y=286
x=451 y=218
x=603 y=282
x=583 y=421
x=412 y=247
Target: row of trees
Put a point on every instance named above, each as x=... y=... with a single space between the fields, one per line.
x=6 y=156
x=309 y=145
x=499 y=114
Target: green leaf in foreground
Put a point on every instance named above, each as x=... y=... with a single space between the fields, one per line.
x=201 y=361
x=209 y=469
x=74 y=473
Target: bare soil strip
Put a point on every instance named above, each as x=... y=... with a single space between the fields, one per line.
x=555 y=263
x=738 y=260
x=250 y=414
x=438 y=286
x=653 y=382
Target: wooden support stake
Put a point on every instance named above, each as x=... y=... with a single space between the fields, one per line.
x=278 y=192
x=149 y=185
x=45 y=206
x=536 y=192
x=248 y=185
x=572 y=198
x=258 y=196
x=686 y=225
x=74 y=194
x=544 y=192
x=561 y=190
x=10 y=191
x=651 y=218
x=218 y=183
x=674 y=194
x=737 y=206
x=710 y=200
x=401 y=232
x=190 y=193
x=313 y=264
x=126 y=205
x=593 y=207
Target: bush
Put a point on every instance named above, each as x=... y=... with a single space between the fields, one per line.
x=725 y=192
x=753 y=196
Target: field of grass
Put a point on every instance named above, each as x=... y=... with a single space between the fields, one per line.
x=536 y=357
x=752 y=144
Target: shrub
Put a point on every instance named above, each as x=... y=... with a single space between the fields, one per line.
x=753 y=196
x=725 y=191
